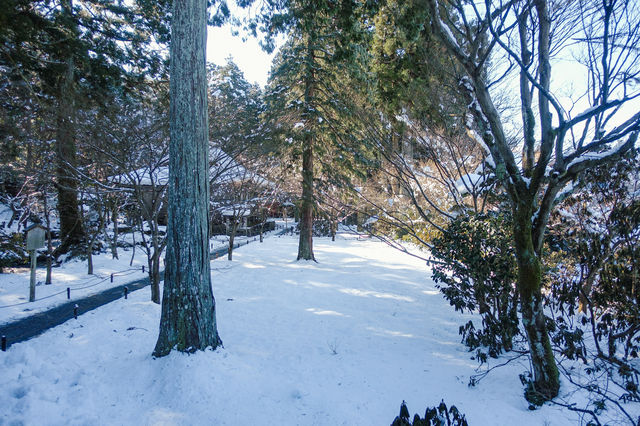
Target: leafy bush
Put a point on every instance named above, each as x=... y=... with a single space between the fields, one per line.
x=475 y=269
x=434 y=416
x=595 y=243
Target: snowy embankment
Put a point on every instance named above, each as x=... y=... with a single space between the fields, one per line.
x=14 y=286
x=340 y=342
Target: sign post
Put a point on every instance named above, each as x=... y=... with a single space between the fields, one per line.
x=35 y=240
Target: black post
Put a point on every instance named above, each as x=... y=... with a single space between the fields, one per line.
x=126 y=291
x=111 y=277
x=143 y=269
x=75 y=311
x=68 y=293
x=4 y=343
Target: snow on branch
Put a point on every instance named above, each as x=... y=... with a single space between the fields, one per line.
x=591 y=159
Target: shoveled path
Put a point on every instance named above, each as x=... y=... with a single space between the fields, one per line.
x=26 y=328
x=33 y=325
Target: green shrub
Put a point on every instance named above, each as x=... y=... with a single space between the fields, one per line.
x=475 y=269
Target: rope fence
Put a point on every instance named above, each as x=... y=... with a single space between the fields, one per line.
x=67 y=290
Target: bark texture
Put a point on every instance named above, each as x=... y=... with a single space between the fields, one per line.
x=188 y=321
x=546 y=382
x=305 y=245
x=71 y=229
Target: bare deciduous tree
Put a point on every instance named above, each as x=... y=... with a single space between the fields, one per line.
x=555 y=145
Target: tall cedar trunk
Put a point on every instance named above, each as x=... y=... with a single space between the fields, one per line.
x=71 y=231
x=188 y=320
x=305 y=245
x=546 y=382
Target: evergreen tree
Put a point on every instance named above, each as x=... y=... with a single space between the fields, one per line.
x=70 y=55
x=320 y=43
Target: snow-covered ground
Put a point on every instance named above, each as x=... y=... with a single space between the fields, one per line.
x=14 y=285
x=339 y=342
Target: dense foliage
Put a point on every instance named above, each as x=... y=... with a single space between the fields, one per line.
x=475 y=269
x=433 y=416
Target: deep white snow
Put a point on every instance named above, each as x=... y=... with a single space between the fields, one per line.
x=339 y=342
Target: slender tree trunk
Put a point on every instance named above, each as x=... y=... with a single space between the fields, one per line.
x=71 y=230
x=232 y=237
x=546 y=383
x=155 y=277
x=47 y=219
x=334 y=228
x=154 y=265
x=90 y=257
x=263 y=219
x=92 y=241
x=305 y=245
x=188 y=320
x=133 y=243
x=114 y=242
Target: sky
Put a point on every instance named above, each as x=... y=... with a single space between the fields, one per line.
x=248 y=55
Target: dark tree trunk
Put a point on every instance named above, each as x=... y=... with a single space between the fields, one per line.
x=263 y=218
x=334 y=228
x=114 y=242
x=90 y=257
x=305 y=245
x=232 y=237
x=154 y=264
x=47 y=219
x=188 y=320
x=71 y=230
x=93 y=237
x=546 y=383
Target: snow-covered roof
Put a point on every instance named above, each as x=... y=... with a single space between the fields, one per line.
x=237 y=213
x=222 y=167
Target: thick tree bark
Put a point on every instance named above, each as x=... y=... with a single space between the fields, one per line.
x=305 y=245
x=188 y=321
x=71 y=230
x=546 y=383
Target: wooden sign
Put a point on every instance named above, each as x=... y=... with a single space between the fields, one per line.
x=35 y=236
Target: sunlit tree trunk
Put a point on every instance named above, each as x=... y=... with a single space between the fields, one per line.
x=546 y=383
x=188 y=321
x=305 y=245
